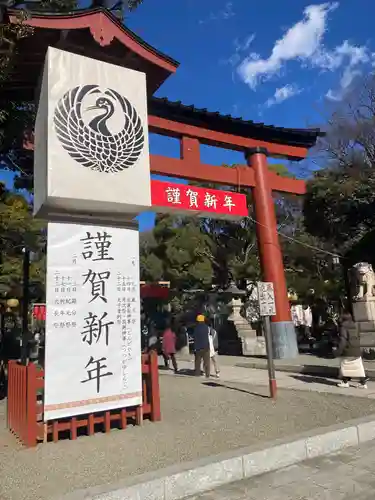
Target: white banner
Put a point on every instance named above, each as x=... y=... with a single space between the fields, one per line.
x=93 y=345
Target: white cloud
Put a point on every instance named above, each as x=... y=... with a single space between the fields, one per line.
x=302 y=41
x=245 y=44
x=282 y=94
x=333 y=59
x=222 y=15
x=353 y=56
x=348 y=77
x=239 y=48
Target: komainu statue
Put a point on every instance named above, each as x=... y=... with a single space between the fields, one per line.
x=363 y=281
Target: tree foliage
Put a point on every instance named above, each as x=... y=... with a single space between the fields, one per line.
x=117 y=6
x=178 y=252
x=309 y=264
x=18 y=229
x=339 y=205
x=340 y=201
x=18 y=116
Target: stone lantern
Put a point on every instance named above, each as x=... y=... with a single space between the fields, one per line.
x=235 y=302
x=251 y=343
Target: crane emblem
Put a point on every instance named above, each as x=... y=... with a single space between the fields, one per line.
x=92 y=144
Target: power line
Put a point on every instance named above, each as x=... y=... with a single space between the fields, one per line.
x=320 y=250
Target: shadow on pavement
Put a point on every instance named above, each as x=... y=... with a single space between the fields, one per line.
x=314 y=380
x=187 y=372
x=311 y=370
x=216 y=384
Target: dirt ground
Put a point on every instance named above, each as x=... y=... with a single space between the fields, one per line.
x=199 y=420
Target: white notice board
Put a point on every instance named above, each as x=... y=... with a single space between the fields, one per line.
x=93 y=349
x=266 y=298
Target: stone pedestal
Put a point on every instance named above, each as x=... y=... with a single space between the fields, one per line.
x=252 y=345
x=364 y=311
x=364 y=316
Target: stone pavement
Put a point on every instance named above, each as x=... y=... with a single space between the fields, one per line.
x=198 y=420
x=347 y=475
x=285 y=380
x=308 y=364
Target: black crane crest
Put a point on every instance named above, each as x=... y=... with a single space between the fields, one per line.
x=92 y=144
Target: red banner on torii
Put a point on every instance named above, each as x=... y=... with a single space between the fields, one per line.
x=202 y=202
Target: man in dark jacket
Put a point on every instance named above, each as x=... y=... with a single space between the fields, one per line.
x=202 y=347
x=349 y=350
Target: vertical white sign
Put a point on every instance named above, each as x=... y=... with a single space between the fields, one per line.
x=91 y=137
x=266 y=298
x=93 y=345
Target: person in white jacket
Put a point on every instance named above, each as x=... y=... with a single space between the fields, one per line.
x=213 y=340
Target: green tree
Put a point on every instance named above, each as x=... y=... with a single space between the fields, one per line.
x=234 y=250
x=178 y=253
x=340 y=201
x=18 y=229
x=309 y=264
x=280 y=169
x=18 y=115
x=339 y=206
x=151 y=266
x=308 y=261
x=117 y=7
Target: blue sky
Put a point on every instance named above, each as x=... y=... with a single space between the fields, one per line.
x=281 y=63
x=245 y=56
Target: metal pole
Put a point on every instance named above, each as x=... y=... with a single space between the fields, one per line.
x=270 y=362
x=25 y=307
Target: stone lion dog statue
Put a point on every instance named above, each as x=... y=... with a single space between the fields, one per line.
x=363 y=281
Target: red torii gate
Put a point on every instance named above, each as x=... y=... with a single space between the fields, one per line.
x=97 y=33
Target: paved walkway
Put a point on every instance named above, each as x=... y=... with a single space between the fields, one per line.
x=309 y=364
x=199 y=419
x=347 y=475
x=301 y=360
x=295 y=381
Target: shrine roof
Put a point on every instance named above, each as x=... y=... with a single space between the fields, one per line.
x=213 y=120
x=94 y=33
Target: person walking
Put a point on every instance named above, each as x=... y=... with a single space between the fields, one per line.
x=169 y=346
x=202 y=347
x=349 y=350
x=214 y=346
x=152 y=341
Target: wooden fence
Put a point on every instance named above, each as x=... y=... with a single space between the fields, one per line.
x=25 y=406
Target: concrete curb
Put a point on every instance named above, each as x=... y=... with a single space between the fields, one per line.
x=317 y=370
x=191 y=478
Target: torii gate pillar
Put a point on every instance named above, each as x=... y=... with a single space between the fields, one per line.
x=283 y=331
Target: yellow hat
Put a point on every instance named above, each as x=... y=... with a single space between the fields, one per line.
x=200 y=318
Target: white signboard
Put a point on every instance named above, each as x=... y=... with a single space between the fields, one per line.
x=266 y=299
x=93 y=345
x=91 y=138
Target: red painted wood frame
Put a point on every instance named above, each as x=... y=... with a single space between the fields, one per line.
x=25 y=406
x=254 y=175
x=190 y=167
